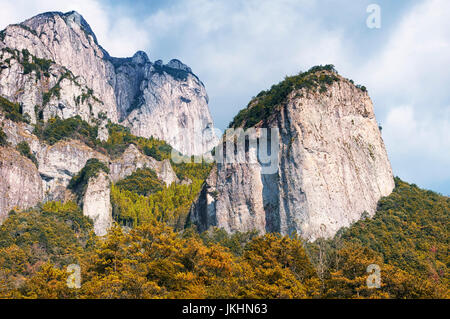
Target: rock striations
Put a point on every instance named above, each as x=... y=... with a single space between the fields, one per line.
x=53 y=65
x=26 y=184
x=332 y=167
x=97 y=204
x=331 y=163
x=20 y=183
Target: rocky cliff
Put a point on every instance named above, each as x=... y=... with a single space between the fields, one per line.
x=132 y=159
x=97 y=204
x=20 y=183
x=25 y=184
x=53 y=65
x=332 y=165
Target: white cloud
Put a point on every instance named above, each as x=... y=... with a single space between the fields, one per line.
x=419 y=146
x=413 y=65
x=412 y=69
x=240 y=48
x=408 y=133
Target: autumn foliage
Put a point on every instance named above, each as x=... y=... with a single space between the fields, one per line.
x=157 y=259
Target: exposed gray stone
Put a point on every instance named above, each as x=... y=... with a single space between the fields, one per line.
x=151 y=99
x=20 y=183
x=97 y=204
x=132 y=159
x=58 y=164
x=333 y=167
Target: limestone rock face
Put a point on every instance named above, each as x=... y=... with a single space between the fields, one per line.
x=20 y=132
x=67 y=40
x=53 y=66
x=153 y=99
x=166 y=173
x=97 y=204
x=132 y=159
x=58 y=164
x=176 y=113
x=332 y=167
x=45 y=95
x=20 y=183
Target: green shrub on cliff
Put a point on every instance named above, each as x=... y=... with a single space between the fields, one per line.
x=266 y=101
x=143 y=182
x=12 y=111
x=57 y=129
x=92 y=168
x=24 y=149
x=36 y=64
x=3 y=138
x=120 y=138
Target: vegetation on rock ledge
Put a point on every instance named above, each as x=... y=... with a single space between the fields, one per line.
x=3 y=138
x=143 y=182
x=57 y=129
x=120 y=138
x=407 y=238
x=265 y=102
x=91 y=170
x=24 y=149
x=12 y=111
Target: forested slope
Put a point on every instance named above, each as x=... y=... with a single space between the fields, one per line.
x=407 y=238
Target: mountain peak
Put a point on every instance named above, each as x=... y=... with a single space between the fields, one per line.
x=128 y=90
x=177 y=64
x=71 y=17
x=140 y=57
x=328 y=165
x=317 y=79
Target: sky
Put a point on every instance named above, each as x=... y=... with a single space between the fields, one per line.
x=238 y=48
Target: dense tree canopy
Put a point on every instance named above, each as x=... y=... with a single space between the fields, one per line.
x=157 y=257
x=407 y=237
